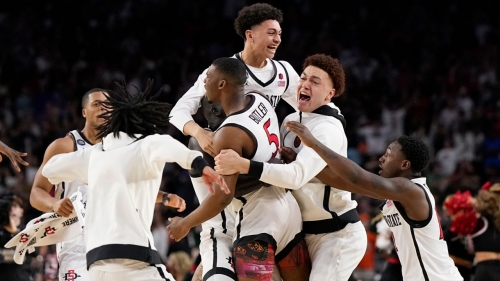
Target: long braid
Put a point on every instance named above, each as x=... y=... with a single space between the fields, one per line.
x=133 y=114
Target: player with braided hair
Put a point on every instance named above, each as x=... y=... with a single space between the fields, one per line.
x=123 y=173
x=409 y=208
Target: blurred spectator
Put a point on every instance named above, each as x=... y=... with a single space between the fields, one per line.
x=11 y=215
x=179 y=264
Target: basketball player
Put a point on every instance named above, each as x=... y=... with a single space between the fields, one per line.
x=409 y=209
x=123 y=173
x=216 y=241
x=71 y=254
x=13 y=155
x=335 y=236
x=251 y=129
x=259 y=26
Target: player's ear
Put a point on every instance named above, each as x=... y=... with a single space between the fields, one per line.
x=330 y=95
x=222 y=84
x=248 y=34
x=84 y=113
x=405 y=165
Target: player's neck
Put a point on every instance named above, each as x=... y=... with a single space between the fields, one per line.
x=90 y=134
x=252 y=59
x=234 y=104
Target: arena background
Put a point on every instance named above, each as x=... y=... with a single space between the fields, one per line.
x=423 y=68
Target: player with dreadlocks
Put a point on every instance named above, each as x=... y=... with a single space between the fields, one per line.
x=409 y=208
x=123 y=174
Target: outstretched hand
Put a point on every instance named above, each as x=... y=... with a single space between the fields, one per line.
x=13 y=155
x=211 y=177
x=302 y=132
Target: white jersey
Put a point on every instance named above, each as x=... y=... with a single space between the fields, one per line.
x=420 y=244
x=74 y=247
x=318 y=202
x=259 y=120
x=276 y=80
x=123 y=176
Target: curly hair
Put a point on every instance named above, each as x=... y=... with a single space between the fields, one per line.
x=416 y=152
x=330 y=66
x=488 y=205
x=255 y=14
x=133 y=114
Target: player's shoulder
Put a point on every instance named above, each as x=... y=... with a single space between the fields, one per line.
x=64 y=145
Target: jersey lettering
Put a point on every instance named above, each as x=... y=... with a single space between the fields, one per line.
x=272 y=138
x=259 y=113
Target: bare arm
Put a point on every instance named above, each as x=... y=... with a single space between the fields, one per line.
x=40 y=198
x=397 y=189
x=214 y=203
x=13 y=155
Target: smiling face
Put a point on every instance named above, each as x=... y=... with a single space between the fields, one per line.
x=315 y=89
x=94 y=108
x=265 y=38
x=393 y=163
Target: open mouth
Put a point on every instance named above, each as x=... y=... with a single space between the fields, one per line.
x=304 y=97
x=272 y=48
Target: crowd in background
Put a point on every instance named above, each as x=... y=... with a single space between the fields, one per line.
x=427 y=69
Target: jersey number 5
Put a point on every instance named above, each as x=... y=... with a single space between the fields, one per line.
x=272 y=138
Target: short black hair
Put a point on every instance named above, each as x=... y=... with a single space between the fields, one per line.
x=416 y=152
x=133 y=113
x=233 y=70
x=255 y=14
x=85 y=98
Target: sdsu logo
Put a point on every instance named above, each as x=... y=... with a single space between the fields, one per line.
x=296 y=142
x=24 y=238
x=80 y=142
x=71 y=275
x=48 y=231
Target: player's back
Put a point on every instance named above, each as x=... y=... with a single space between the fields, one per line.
x=260 y=122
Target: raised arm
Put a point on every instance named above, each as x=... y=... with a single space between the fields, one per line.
x=226 y=138
x=181 y=115
x=293 y=175
x=13 y=155
x=67 y=167
x=369 y=184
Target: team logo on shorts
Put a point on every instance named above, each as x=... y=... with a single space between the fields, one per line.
x=80 y=142
x=255 y=246
x=296 y=142
x=71 y=275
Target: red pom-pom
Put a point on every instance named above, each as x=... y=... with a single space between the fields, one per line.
x=464 y=223
x=486 y=186
x=458 y=202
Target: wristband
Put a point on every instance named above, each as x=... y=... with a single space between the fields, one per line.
x=255 y=170
x=199 y=164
